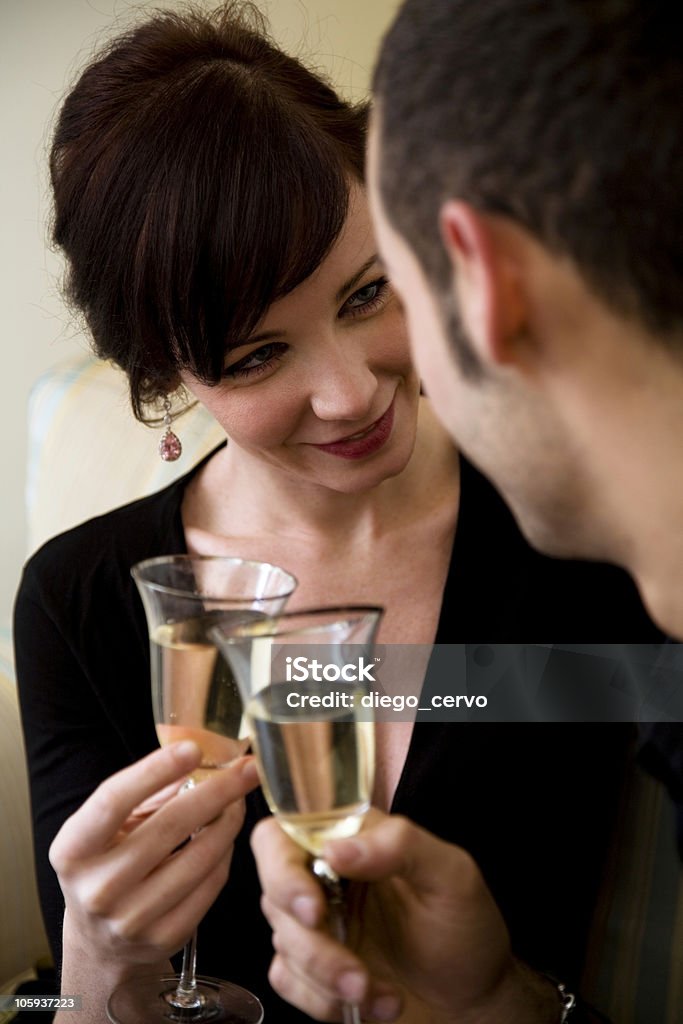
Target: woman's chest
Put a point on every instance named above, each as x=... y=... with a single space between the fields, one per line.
x=406 y=574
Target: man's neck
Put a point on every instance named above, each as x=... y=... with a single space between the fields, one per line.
x=632 y=432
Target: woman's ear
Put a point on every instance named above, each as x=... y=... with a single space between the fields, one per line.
x=486 y=288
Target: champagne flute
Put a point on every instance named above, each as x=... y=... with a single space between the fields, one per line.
x=194 y=696
x=303 y=677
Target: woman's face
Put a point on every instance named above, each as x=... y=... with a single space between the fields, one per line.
x=323 y=390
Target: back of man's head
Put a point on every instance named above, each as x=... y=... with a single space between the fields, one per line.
x=565 y=115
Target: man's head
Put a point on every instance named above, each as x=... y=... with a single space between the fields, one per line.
x=526 y=169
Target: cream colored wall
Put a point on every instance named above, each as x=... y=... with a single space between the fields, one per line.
x=42 y=44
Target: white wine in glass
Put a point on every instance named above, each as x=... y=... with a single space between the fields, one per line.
x=317 y=774
x=194 y=693
x=312 y=735
x=194 y=696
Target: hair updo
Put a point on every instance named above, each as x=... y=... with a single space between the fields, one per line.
x=199 y=173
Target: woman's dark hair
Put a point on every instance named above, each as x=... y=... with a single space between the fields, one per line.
x=199 y=174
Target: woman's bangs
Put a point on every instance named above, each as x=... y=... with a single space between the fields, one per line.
x=266 y=230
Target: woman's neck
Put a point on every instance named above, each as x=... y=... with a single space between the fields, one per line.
x=237 y=494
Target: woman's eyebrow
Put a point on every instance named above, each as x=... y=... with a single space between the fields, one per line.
x=353 y=281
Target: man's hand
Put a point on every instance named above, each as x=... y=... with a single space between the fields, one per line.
x=431 y=943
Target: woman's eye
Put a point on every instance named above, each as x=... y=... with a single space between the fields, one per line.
x=258 y=361
x=364 y=295
x=367 y=299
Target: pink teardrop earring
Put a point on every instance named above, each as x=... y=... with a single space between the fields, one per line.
x=170 y=447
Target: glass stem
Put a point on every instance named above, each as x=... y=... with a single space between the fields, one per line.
x=350 y=1011
x=185 y=996
x=331 y=883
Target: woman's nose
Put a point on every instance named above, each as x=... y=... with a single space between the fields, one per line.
x=344 y=388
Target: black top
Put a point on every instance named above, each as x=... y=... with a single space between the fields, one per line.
x=505 y=792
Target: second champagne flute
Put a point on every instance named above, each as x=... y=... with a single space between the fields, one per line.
x=194 y=696
x=303 y=678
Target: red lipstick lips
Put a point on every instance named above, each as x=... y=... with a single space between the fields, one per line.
x=362 y=443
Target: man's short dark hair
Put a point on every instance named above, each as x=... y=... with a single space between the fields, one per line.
x=564 y=115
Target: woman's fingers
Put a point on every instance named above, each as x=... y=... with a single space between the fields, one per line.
x=161 y=932
x=190 y=811
x=96 y=823
x=206 y=856
x=150 y=805
x=140 y=866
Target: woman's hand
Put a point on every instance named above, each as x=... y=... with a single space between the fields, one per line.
x=134 y=889
x=431 y=942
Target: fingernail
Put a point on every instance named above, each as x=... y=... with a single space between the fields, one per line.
x=186 y=750
x=306 y=910
x=386 y=1008
x=250 y=772
x=351 y=986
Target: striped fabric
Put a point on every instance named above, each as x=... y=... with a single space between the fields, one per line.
x=6 y=656
x=635 y=966
x=22 y=937
x=87 y=454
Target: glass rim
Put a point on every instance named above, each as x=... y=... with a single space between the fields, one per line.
x=360 y=610
x=138 y=569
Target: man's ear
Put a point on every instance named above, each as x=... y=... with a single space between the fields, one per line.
x=486 y=288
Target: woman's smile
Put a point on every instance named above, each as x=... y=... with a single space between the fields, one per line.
x=364 y=442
